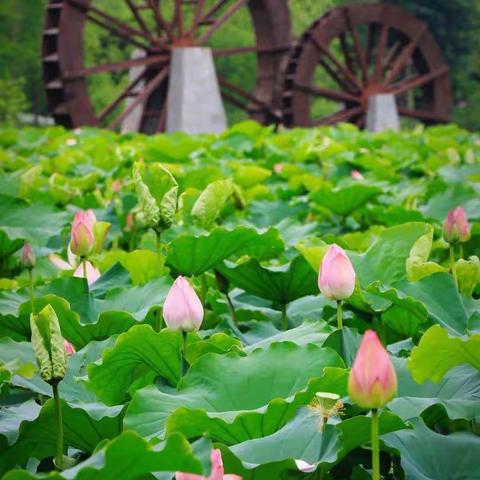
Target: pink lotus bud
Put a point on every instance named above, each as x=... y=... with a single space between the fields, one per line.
x=116 y=185
x=28 y=256
x=336 y=279
x=182 y=310
x=217 y=472
x=71 y=142
x=93 y=274
x=82 y=237
x=372 y=382
x=356 y=175
x=129 y=222
x=456 y=228
x=277 y=168
x=68 y=347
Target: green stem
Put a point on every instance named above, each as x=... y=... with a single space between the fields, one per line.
x=339 y=315
x=158 y=320
x=59 y=422
x=461 y=250
x=203 y=282
x=159 y=240
x=452 y=265
x=284 y=317
x=232 y=308
x=184 y=353
x=32 y=295
x=375 y=446
x=84 y=264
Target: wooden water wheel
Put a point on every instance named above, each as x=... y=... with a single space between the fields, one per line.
x=355 y=51
x=85 y=86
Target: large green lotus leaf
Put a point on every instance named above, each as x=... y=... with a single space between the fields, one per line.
x=301 y=439
x=427 y=455
x=404 y=314
x=385 y=261
x=249 y=175
x=311 y=331
x=193 y=255
x=440 y=297
x=345 y=342
x=344 y=201
x=234 y=397
x=130 y=457
x=138 y=357
x=35 y=223
x=437 y=353
x=37 y=436
x=7 y=246
x=281 y=284
x=12 y=416
x=457 y=393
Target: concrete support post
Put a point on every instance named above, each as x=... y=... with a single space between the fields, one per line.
x=194 y=102
x=382 y=113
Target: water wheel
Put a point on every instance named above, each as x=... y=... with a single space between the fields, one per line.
x=355 y=51
x=104 y=61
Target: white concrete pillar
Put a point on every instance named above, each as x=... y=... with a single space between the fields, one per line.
x=382 y=113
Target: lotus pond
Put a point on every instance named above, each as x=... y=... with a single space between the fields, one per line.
x=98 y=382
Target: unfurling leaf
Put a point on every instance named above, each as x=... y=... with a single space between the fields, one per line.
x=47 y=342
x=157 y=192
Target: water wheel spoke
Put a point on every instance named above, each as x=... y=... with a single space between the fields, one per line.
x=227 y=85
x=382 y=45
x=223 y=52
x=224 y=17
x=327 y=93
x=340 y=116
x=351 y=83
x=226 y=95
x=212 y=11
x=116 y=66
x=405 y=55
x=162 y=119
x=121 y=96
x=178 y=18
x=138 y=18
x=162 y=24
x=418 y=81
x=357 y=46
x=143 y=95
x=425 y=115
x=107 y=21
x=197 y=16
x=347 y=54
x=370 y=43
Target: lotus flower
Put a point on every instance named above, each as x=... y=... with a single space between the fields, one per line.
x=182 y=310
x=82 y=236
x=456 y=228
x=28 y=256
x=372 y=382
x=216 y=474
x=337 y=276
x=356 y=175
x=68 y=347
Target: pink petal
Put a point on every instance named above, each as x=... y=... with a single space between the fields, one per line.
x=93 y=274
x=59 y=262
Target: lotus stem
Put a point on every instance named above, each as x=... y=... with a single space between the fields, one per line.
x=84 y=264
x=59 y=422
x=184 y=353
x=158 y=320
x=339 y=314
x=284 y=317
x=461 y=250
x=32 y=295
x=159 y=240
x=452 y=265
x=375 y=446
x=204 y=288
x=232 y=308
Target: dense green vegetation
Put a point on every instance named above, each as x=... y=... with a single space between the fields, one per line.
x=247 y=217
